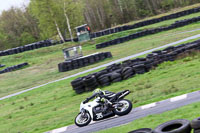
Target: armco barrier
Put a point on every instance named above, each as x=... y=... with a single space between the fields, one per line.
x=13 y=68
x=83 y=61
x=144 y=23
x=129 y=68
x=175 y=25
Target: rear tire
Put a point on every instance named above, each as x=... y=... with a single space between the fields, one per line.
x=81 y=122
x=127 y=107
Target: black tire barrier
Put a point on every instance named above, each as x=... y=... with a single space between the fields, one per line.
x=174 y=126
x=195 y=124
x=78 y=85
x=127 y=72
x=83 y=61
x=175 y=25
x=129 y=68
x=2 y=65
x=13 y=68
x=47 y=43
x=90 y=82
x=28 y=47
x=33 y=46
x=144 y=23
x=196 y=130
x=142 y=130
x=115 y=77
x=104 y=80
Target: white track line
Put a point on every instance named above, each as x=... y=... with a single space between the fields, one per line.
x=59 y=130
x=105 y=65
x=151 y=105
x=148 y=106
x=174 y=99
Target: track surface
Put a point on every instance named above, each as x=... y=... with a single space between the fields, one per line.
x=140 y=112
x=105 y=65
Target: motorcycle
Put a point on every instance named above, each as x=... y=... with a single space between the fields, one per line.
x=96 y=110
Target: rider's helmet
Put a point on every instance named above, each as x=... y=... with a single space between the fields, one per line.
x=98 y=90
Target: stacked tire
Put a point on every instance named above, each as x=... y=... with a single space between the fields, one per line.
x=174 y=126
x=13 y=68
x=195 y=124
x=177 y=24
x=127 y=73
x=104 y=80
x=115 y=77
x=139 y=69
x=28 y=47
x=144 y=23
x=1 y=65
x=127 y=69
x=78 y=85
x=90 y=82
x=83 y=61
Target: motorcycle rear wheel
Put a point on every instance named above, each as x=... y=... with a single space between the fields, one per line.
x=125 y=109
x=81 y=122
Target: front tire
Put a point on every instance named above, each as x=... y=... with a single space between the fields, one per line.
x=125 y=109
x=81 y=122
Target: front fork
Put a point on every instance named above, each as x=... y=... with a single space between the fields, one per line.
x=83 y=113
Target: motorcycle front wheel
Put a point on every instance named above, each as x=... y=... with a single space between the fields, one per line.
x=125 y=106
x=82 y=120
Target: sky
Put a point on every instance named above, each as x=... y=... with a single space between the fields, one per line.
x=6 y=4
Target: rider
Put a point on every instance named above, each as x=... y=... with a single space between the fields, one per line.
x=104 y=96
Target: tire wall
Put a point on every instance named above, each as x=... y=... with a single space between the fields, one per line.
x=173 y=126
x=129 y=68
x=175 y=25
x=13 y=68
x=33 y=46
x=144 y=23
x=47 y=43
x=83 y=61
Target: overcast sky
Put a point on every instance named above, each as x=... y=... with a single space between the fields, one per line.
x=6 y=4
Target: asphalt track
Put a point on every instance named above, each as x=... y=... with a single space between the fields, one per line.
x=139 y=112
x=105 y=65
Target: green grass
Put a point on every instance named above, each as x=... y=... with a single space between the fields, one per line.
x=128 y=32
x=164 y=23
x=164 y=14
x=56 y=105
x=43 y=62
x=188 y=112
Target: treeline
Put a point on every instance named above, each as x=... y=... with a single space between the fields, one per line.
x=43 y=19
x=18 y=27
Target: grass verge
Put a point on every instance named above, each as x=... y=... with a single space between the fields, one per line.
x=43 y=62
x=56 y=105
x=188 y=112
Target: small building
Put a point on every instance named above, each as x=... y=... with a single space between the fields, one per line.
x=83 y=33
x=72 y=52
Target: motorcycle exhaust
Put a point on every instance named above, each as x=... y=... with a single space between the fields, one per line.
x=126 y=93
